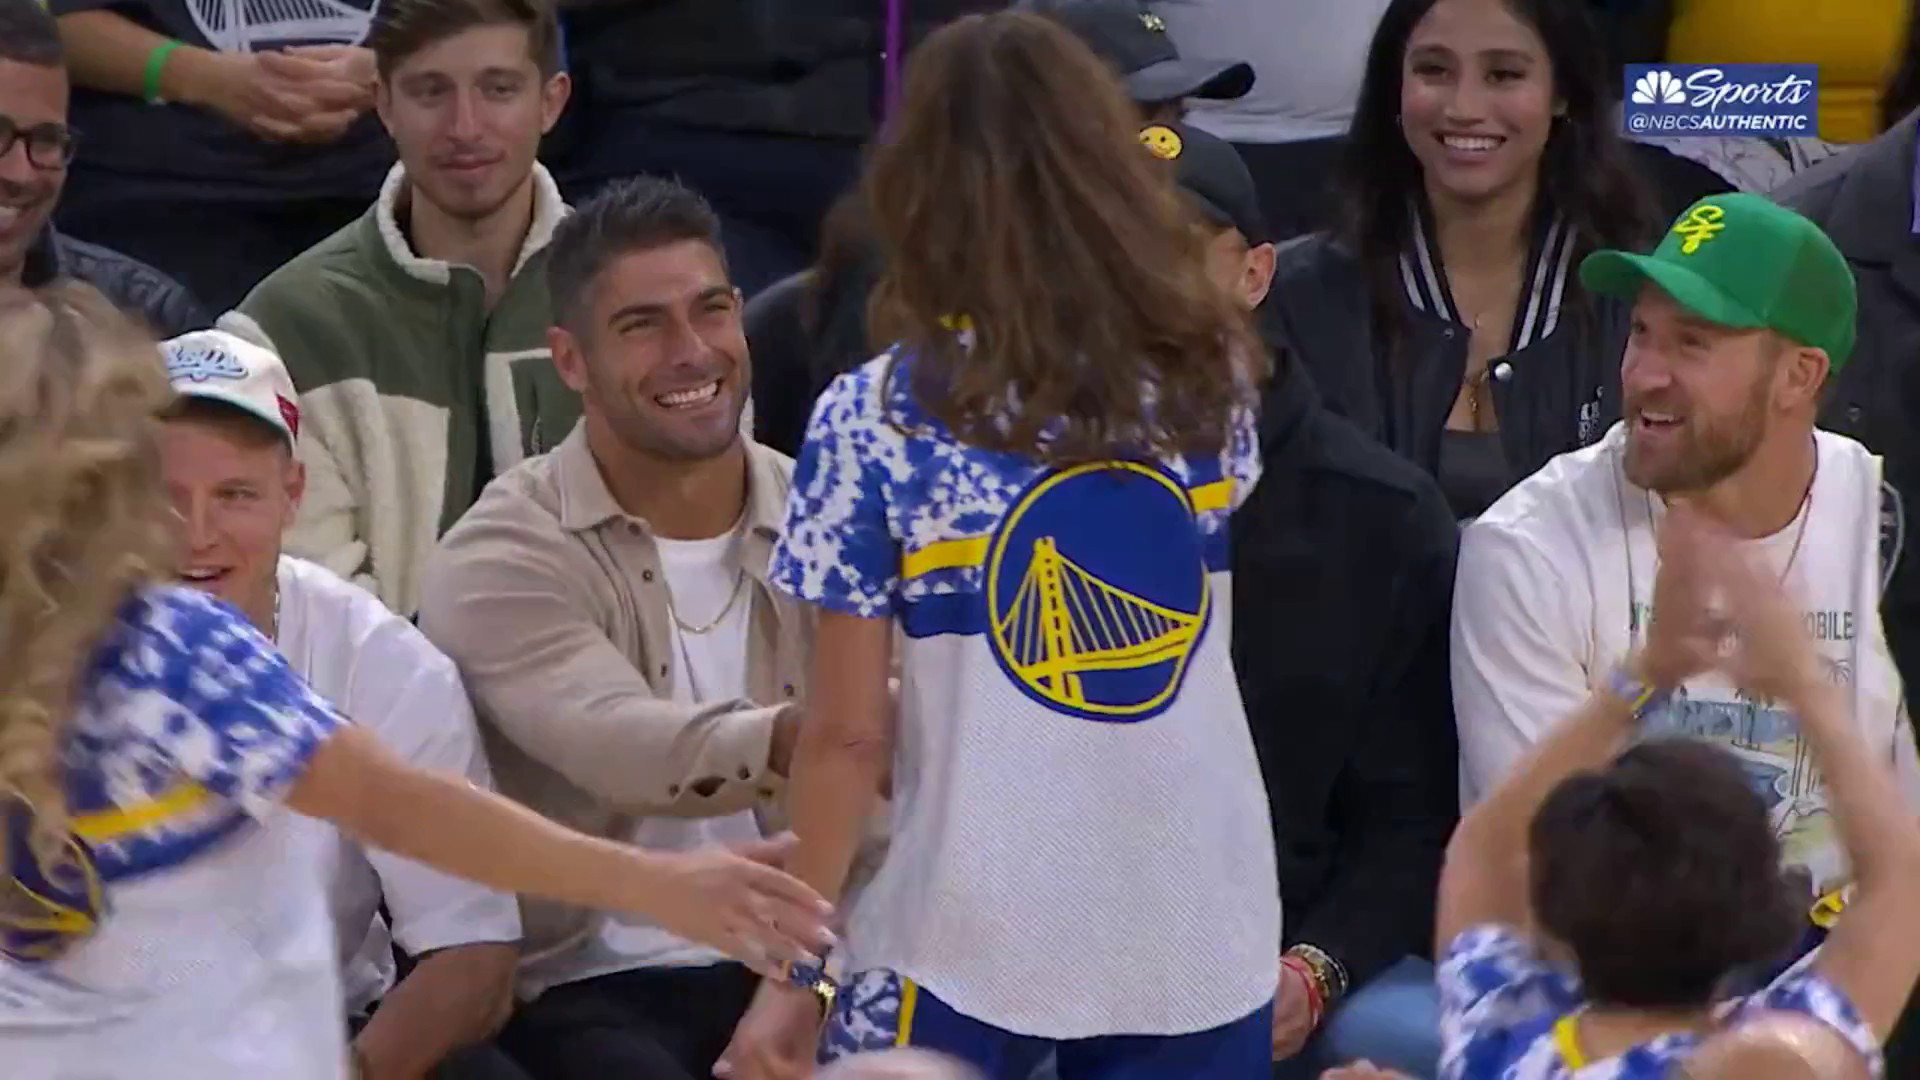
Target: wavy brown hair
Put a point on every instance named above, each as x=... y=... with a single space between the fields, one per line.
x=1013 y=191
x=84 y=523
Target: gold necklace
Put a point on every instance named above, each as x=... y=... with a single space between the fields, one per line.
x=739 y=580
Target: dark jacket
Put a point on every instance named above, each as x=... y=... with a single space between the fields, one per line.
x=1557 y=391
x=1343 y=585
x=791 y=67
x=1864 y=199
x=131 y=284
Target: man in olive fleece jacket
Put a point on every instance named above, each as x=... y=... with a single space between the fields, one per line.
x=414 y=393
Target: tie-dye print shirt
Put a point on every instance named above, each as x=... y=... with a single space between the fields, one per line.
x=1502 y=1011
x=182 y=930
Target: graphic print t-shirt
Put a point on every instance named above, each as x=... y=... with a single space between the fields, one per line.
x=1080 y=836
x=1556 y=582
x=183 y=932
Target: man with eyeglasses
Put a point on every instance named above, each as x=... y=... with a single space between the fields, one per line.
x=35 y=146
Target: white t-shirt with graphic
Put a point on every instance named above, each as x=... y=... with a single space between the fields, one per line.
x=384 y=674
x=709 y=594
x=185 y=933
x=1080 y=841
x=1555 y=584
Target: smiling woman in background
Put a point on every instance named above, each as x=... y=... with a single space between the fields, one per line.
x=1443 y=316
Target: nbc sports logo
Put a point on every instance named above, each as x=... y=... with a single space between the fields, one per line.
x=1658 y=88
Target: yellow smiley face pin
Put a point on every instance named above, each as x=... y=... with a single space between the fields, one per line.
x=1163 y=142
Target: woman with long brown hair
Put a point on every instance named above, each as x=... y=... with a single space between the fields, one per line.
x=1030 y=491
x=161 y=914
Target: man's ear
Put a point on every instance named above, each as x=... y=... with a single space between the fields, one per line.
x=1259 y=274
x=568 y=361
x=553 y=100
x=1804 y=375
x=296 y=481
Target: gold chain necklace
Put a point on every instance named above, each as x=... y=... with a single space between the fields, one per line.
x=739 y=580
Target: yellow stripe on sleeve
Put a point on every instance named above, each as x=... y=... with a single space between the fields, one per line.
x=945 y=555
x=110 y=824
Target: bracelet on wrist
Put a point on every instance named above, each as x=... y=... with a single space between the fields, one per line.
x=1328 y=974
x=1316 y=997
x=1641 y=695
x=813 y=978
x=156 y=63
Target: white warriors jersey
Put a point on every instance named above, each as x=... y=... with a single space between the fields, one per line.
x=1081 y=843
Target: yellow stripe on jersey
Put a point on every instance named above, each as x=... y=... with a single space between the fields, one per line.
x=945 y=555
x=1826 y=910
x=972 y=550
x=909 y=998
x=1215 y=496
x=111 y=824
x=1566 y=1039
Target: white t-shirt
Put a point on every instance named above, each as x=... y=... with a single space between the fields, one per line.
x=708 y=590
x=1556 y=579
x=1307 y=56
x=213 y=957
x=384 y=674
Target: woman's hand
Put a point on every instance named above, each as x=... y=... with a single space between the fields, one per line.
x=740 y=903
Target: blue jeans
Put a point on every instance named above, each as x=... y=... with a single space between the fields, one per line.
x=1392 y=1021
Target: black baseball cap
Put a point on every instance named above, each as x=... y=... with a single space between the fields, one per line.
x=1213 y=176
x=1134 y=40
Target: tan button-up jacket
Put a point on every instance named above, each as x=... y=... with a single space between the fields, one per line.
x=551 y=600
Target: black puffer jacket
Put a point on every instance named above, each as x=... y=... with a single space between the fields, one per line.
x=791 y=67
x=132 y=285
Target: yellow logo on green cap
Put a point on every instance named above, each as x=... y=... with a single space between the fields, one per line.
x=1699 y=226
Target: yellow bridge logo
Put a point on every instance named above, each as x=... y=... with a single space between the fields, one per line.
x=1075 y=640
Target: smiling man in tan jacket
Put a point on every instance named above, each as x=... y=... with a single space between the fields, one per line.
x=607 y=606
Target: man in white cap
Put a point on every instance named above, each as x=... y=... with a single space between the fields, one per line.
x=228 y=456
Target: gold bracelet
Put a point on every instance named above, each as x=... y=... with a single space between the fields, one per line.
x=1327 y=972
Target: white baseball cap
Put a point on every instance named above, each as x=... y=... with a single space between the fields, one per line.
x=224 y=367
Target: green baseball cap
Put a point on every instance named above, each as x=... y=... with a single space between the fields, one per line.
x=1742 y=261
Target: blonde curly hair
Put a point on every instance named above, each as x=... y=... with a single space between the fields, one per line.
x=82 y=518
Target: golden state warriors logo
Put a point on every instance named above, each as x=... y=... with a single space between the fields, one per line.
x=1699 y=226
x=1097 y=591
x=45 y=905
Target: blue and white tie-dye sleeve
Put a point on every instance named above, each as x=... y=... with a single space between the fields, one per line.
x=1241 y=460
x=202 y=685
x=1802 y=989
x=1495 y=994
x=838 y=550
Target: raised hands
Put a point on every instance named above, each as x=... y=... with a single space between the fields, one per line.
x=1717 y=607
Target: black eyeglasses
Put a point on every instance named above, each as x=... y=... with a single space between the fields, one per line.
x=49 y=146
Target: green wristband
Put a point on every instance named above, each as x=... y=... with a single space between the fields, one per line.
x=156 y=60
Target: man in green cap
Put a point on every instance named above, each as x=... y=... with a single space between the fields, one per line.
x=1740 y=317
